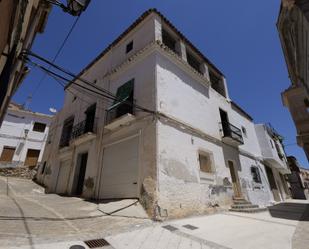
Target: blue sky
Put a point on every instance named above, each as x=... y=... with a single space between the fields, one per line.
x=239 y=37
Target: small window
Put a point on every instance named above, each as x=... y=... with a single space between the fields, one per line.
x=168 y=40
x=271 y=143
x=256 y=174
x=43 y=168
x=217 y=83
x=205 y=163
x=39 y=127
x=244 y=131
x=193 y=62
x=7 y=154
x=306 y=102
x=129 y=47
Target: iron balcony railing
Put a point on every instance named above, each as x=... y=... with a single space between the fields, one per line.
x=119 y=109
x=79 y=129
x=83 y=128
x=232 y=131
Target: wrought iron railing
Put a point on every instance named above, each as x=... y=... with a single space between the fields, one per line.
x=119 y=110
x=83 y=128
x=232 y=131
x=78 y=130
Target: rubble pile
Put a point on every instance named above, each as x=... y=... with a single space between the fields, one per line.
x=21 y=172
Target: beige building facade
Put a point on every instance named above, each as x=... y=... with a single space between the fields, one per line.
x=20 y=21
x=293 y=27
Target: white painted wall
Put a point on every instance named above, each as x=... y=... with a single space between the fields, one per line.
x=12 y=133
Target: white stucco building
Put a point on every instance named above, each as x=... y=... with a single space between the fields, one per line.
x=23 y=135
x=172 y=137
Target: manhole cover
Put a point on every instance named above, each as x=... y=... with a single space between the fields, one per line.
x=77 y=247
x=95 y=243
x=170 y=228
x=188 y=226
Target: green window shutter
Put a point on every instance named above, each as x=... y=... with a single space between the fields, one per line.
x=123 y=94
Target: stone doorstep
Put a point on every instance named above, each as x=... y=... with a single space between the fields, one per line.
x=248 y=210
x=242 y=206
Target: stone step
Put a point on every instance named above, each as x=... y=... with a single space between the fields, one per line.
x=248 y=210
x=240 y=202
x=240 y=206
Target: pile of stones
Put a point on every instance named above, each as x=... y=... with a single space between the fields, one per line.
x=21 y=172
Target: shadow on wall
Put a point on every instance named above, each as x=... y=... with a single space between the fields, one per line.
x=290 y=211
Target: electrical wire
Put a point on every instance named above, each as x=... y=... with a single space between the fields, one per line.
x=56 y=55
x=102 y=92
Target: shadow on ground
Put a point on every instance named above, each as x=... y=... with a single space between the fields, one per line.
x=290 y=211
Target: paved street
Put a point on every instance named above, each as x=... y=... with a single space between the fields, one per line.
x=32 y=219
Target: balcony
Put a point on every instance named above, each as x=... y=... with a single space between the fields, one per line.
x=80 y=133
x=84 y=131
x=120 y=114
x=231 y=134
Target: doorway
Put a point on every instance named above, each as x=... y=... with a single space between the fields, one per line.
x=272 y=183
x=80 y=173
x=235 y=180
x=32 y=157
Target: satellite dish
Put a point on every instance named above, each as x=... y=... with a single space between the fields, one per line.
x=52 y=110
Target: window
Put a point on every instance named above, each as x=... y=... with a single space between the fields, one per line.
x=244 y=131
x=256 y=174
x=124 y=102
x=271 y=143
x=66 y=132
x=43 y=168
x=205 y=163
x=306 y=102
x=129 y=47
x=39 y=127
x=168 y=40
x=7 y=154
x=217 y=83
x=193 y=62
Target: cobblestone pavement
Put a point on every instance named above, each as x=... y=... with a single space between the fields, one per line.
x=29 y=217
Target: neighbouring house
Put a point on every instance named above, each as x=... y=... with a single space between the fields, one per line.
x=274 y=159
x=171 y=137
x=23 y=135
x=20 y=21
x=304 y=173
x=295 y=180
x=293 y=27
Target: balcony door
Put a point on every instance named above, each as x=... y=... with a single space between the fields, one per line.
x=235 y=180
x=224 y=122
x=90 y=117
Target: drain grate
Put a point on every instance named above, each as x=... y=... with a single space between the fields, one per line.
x=96 y=243
x=170 y=228
x=188 y=226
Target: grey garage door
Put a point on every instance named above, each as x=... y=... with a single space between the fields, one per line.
x=120 y=170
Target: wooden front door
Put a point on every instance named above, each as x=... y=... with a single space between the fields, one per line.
x=235 y=180
x=32 y=157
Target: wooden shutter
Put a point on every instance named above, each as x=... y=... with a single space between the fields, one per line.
x=7 y=154
x=32 y=157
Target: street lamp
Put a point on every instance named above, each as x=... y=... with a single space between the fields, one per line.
x=74 y=7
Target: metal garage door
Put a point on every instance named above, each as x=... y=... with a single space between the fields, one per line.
x=120 y=170
x=63 y=176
